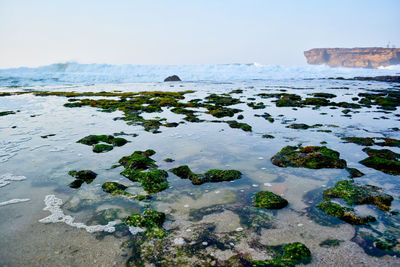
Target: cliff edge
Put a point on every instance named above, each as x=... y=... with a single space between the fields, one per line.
x=366 y=57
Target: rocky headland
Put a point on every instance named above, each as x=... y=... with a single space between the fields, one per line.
x=366 y=57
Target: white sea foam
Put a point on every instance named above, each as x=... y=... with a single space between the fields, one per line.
x=13 y=201
x=75 y=73
x=7 y=178
x=53 y=205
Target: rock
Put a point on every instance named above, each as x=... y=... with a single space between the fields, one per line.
x=84 y=176
x=312 y=157
x=367 y=57
x=211 y=176
x=269 y=200
x=173 y=78
x=383 y=160
x=355 y=194
x=153 y=181
x=151 y=220
x=290 y=254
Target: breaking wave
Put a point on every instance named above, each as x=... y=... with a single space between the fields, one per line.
x=75 y=73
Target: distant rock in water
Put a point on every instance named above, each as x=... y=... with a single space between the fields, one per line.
x=366 y=57
x=173 y=78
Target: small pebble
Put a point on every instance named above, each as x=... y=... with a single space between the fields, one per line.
x=263 y=168
x=255 y=185
x=239 y=229
x=267 y=184
x=188 y=230
x=260 y=158
x=204 y=243
x=300 y=224
x=232 y=244
x=186 y=206
x=217 y=192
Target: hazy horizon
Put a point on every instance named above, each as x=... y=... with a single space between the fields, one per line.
x=188 y=32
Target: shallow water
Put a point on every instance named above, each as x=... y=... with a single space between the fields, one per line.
x=45 y=163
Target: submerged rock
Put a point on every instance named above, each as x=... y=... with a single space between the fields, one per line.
x=312 y=157
x=383 y=160
x=287 y=255
x=83 y=176
x=139 y=160
x=371 y=141
x=269 y=200
x=211 y=176
x=115 y=188
x=329 y=243
x=354 y=173
x=151 y=220
x=5 y=113
x=345 y=214
x=100 y=148
x=355 y=194
x=153 y=181
x=173 y=78
x=234 y=124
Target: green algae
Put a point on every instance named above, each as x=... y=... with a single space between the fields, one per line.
x=139 y=160
x=290 y=254
x=115 y=188
x=371 y=141
x=97 y=142
x=234 y=124
x=153 y=181
x=83 y=176
x=355 y=194
x=254 y=105
x=211 y=176
x=312 y=157
x=354 y=173
x=151 y=220
x=268 y=136
x=324 y=95
x=169 y=160
x=269 y=200
x=383 y=160
x=344 y=213
x=100 y=148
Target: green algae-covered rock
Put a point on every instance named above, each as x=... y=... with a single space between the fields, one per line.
x=115 y=188
x=100 y=148
x=211 y=176
x=355 y=194
x=153 y=181
x=269 y=200
x=83 y=176
x=151 y=220
x=354 y=173
x=234 y=124
x=371 y=141
x=139 y=160
x=312 y=157
x=345 y=214
x=290 y=254
x=383 y=160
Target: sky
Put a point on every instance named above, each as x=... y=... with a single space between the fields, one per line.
x=163 y=32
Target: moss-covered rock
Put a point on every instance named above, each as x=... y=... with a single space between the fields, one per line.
x=324 y=95
x=100 y=148
x=211 y=176
x=344 y=213
x=83 y=176
x=269 y=200
x=254 y=105
x=355 y=194
x=151 y=220
x=371 y=141
x=312 y=157
x=153 y=181
x=383 y=160
x=115 y=188
x=139 y=160
x=234 y=124
x=268 y=136
x=290 y=254
x=354 y=173
x=298 y=126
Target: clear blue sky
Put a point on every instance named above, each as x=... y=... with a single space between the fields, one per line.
x=41 y=32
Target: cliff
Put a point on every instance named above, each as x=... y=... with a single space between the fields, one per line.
x=366 y=57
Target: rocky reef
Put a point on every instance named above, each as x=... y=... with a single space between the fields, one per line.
x=365 y=57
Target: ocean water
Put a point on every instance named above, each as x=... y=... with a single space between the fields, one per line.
x=45 y=222
x=75 y=73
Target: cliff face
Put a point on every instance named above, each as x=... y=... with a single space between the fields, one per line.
x=368 y=57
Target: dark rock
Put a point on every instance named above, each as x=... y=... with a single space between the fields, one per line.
x=173 y=78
